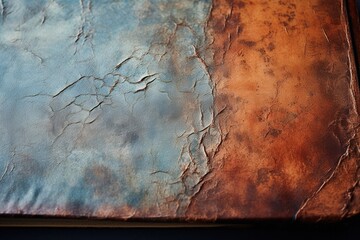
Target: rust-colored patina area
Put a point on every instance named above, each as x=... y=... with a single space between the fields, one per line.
x=178 y=110
x=286 y=84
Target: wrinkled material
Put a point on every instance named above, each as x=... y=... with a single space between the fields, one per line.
x=195 y=110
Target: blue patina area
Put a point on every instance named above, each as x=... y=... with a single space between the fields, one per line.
x=104 y=104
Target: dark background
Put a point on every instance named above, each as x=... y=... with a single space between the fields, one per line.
x=349 y=229
x=343 y=230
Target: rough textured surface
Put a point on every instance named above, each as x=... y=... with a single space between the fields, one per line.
x=180 y=110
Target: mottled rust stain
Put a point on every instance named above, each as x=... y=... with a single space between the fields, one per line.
x=289 y=64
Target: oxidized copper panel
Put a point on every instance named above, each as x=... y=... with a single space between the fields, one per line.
x=178 y=110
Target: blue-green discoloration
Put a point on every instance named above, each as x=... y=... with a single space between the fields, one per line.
x=104 y=104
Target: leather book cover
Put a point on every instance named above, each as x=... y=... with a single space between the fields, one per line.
x=178 y=111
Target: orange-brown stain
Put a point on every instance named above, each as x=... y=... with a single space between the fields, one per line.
x=282 y=72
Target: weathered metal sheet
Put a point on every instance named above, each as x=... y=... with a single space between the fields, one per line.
x=178 y=110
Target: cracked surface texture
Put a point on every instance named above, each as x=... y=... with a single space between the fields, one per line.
x=179 y=110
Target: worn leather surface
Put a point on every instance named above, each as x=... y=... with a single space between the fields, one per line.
x=178 y=110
